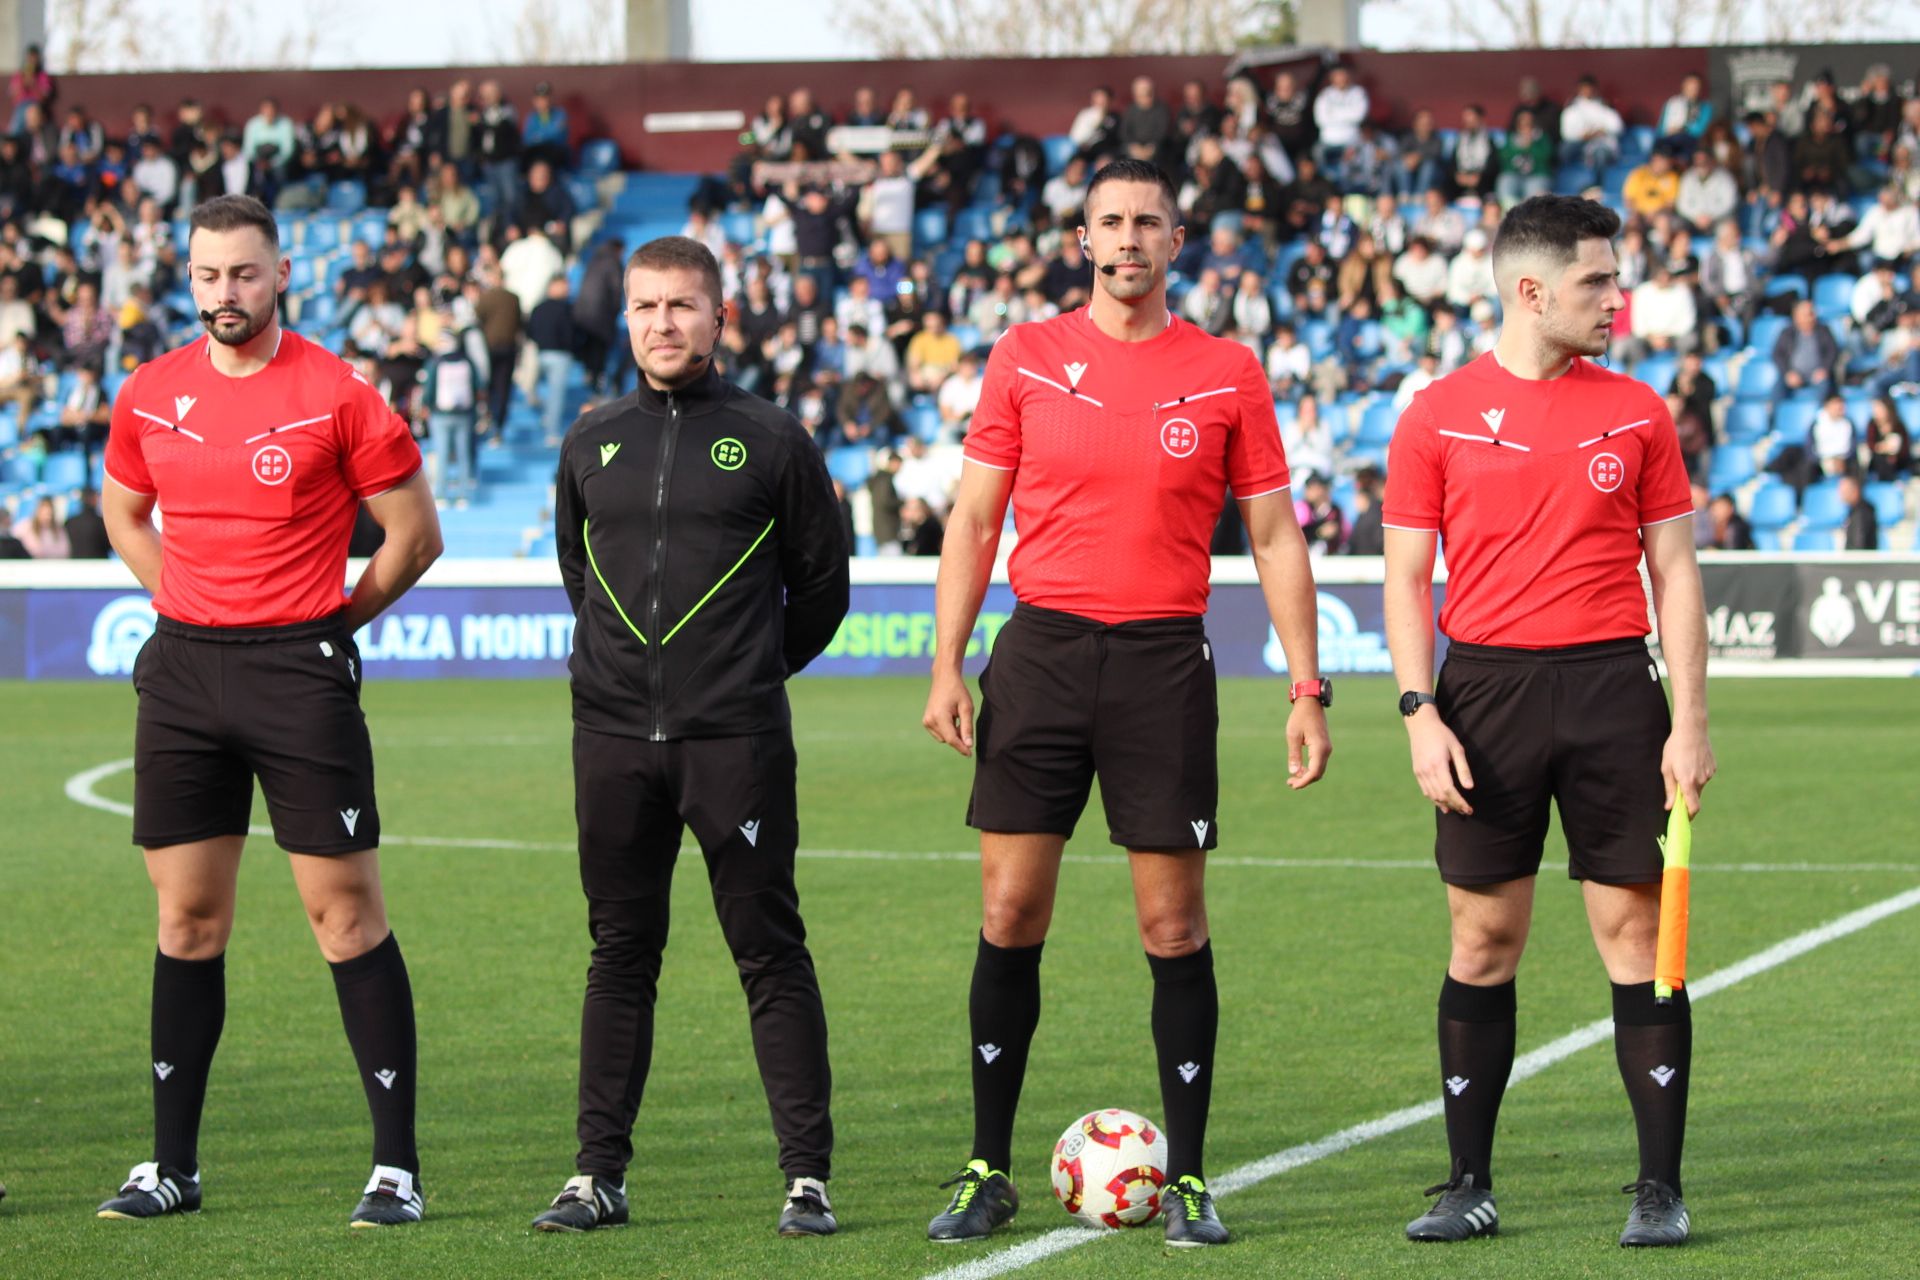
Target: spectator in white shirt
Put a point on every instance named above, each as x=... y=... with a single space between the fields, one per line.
x=528 y=266
x=1066 y=191
x=1421 y=273
x=1891 y=229
x=1252 y=313
x=960 y=395
x=1589 y=129
x=1338 y=110
x=1095 y=121
x=1664 y=317
x=1440 y=224
x=155 y=174
x=1708 y=192
x=1308 y=440
x=1424 y=375
x=871 y=355
x=886 y=206
x=1289 y=363
x=1832 y=437
x=860 y=307
x=1470 y=277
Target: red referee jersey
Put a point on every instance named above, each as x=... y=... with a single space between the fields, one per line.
x=1123 y=454
x=1538 y=491
x=258 y=479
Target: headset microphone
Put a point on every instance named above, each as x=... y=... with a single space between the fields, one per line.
x=208 y=317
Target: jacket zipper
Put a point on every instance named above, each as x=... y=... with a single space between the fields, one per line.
x=656 y=678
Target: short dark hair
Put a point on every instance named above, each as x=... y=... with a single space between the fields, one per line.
x=1552 y=227
x=1127 y=170
x=230 y=213
x=679 y=253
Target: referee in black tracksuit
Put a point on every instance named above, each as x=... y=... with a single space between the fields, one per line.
x=701 y=547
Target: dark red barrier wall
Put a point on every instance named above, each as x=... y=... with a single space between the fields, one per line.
x=1036 y=95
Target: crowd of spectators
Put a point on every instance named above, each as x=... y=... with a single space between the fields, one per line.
x=1350 y=252
x=872 y=254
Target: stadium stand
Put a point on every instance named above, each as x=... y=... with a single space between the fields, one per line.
x=406 y=254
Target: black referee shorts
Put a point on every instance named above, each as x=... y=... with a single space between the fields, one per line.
x=220 y=706
x=1581 y=726
x=1065 y=699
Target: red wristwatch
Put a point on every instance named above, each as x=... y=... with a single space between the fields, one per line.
x=1320 y=691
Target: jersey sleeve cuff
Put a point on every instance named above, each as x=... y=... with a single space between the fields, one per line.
x=970 y=456
x=138 y=493
x=1409 y=524
x=1264 y=493
x=389 y=488
x=1665 y=515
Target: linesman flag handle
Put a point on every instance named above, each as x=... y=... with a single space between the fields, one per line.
x=1670 y=958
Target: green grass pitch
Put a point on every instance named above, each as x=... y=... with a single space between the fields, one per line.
x=1806 y=1100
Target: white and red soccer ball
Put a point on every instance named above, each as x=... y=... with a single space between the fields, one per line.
x=1109 y=1168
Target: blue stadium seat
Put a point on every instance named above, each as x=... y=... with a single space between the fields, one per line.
x=1817 y=540
x=1766 y=540
x=601 y=155
x=1759 y=376
x=1637 y=141
x=1572 y=179
x=1318 y=335
x=967 y=335
x=738 y=224
x=317 y=312
x=929 y=228
x=1779 y=286
x=1376 y=425
x=1766 y=329
x=1833 y=296
x=300 y=273
x=972 y=224
x=1772 y=506
x=850 y=464
x=1748 y=421
x=371 y=228
x=1821 y=508
x=1732 y=467
x=347 y=197
x=1909 y=410
x=1059 y=149
x=1657 y=370
x=923 y=419
x=1793 y=420
x=585 y=194
x=321 y=236
x=19 y=470
x=64 y=470
x=1889 y=499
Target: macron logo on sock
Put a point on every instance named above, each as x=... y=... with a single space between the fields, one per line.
x=1662 y=1074
x=1457 y=1085
x=386 y=1077
x=163 y=1069
x=1188 y=1070
x=989 y=1052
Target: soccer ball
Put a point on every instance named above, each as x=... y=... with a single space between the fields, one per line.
x=1108 y=1168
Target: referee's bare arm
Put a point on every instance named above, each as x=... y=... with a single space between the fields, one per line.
x=966 y=563
x=413 y=542
x=129 y=520
x=1679 y=605
x=1439 y=761
x=1286 y=580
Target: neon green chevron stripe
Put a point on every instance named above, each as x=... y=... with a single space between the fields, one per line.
x=716 y=586
x=592 y=564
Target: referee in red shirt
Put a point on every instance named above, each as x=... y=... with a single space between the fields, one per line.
x=1116 y=432
x=260 y=446
x=1548 y=478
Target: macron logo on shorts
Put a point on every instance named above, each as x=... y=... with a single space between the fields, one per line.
x=1199 y=833
x=751 y=830
x=351 y=817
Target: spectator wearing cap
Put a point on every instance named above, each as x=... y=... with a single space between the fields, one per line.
x=546 y=133
x=1338 y=111
x=1470 y=274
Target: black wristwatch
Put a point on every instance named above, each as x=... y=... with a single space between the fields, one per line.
x=1410 y=702
x=1321 y=691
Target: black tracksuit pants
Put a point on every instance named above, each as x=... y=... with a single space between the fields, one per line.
x=632 y=798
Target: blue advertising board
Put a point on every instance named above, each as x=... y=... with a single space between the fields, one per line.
x=510 y=632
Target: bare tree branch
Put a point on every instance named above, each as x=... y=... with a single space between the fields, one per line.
x=1007 y=28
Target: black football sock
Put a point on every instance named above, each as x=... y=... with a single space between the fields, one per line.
x=376 y=1006
x=1186 y=1020
x=1003 y=1008
x=1653 y=1043
x=1476 y=1057
x=189 y=1010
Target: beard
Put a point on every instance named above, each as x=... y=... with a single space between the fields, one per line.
x=1569 y=336
x=235 y=328
x=1129 y=288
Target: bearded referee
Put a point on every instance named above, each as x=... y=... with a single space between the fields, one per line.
x=1549 y=478
x=1116 y=432
x=701 y=547
x=260 y=446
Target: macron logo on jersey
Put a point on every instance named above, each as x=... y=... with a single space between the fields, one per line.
x=607 y=451
x=1493 y=418
x=182 y=406
x=1074 y=371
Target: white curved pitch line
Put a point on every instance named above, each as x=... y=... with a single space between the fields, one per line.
x=80 y=790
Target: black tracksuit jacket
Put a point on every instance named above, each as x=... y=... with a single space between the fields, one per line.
x=701 y=546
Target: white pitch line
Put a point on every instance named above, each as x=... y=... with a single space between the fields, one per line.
x=1526 y=1066
x=80 y=790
